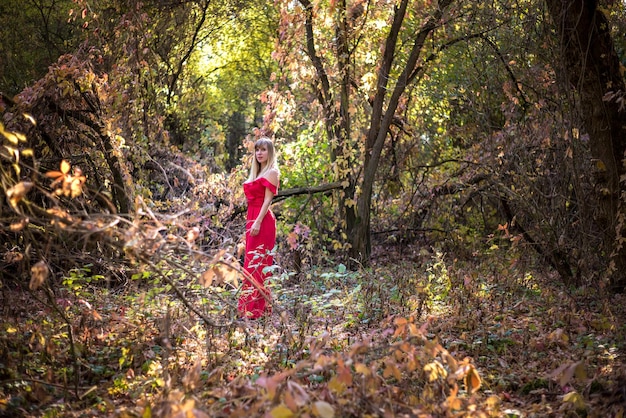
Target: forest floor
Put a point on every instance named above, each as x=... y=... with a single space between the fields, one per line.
x=415 y=334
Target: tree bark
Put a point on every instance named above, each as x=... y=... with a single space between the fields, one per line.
x=592 y=67
x=382 y=118
x=337 y=121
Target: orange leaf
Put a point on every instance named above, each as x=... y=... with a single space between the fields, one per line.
x=345 y=375
x=206 y=279
x=472 y=380
x=400 y=321
x=392 y=370
x=54 y=174
x=18 y=226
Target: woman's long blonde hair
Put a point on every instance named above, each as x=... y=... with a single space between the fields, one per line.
x=255 y=167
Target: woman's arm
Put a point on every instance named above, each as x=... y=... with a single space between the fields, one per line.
x=272 y=177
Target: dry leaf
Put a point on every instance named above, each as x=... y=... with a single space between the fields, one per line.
x=38 y=275
x=435 y=370
x=270 y=384
x=336 y=386
x=576 y=399
x=300 y=396
x=17 y=192
x=323 y=409
x=472 y=380
x=206 y=279
x=281 y=411
x=18 y=226
x=362 y=368
x=193 y=234
x=192 y=377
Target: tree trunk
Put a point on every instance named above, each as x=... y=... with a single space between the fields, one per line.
x=236 y=132
x=592 y=68
x=381 y=119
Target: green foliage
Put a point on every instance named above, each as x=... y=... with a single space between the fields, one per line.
x=34 y=35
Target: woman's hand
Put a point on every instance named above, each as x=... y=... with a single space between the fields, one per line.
x=254 y=229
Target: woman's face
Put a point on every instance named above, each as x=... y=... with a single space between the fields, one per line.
x=261 y=154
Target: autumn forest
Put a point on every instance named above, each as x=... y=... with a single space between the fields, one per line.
x=451 y=216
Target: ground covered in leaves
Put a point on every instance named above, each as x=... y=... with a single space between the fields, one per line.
x=425 y=335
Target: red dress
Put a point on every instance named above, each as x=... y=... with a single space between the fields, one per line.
x=255 y=298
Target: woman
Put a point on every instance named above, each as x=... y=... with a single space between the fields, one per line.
x=260 y=188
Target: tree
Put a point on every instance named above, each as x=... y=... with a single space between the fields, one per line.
x=360 y=89
x=592 y=68
x=34 y=34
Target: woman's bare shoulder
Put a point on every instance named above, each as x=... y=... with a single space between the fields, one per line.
x=272 y=175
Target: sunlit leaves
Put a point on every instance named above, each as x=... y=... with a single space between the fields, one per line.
x=220 y=271
x=14 y=139
x=70 y=184
x=16 y=193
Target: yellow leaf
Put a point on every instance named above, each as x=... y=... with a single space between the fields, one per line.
x=281 y=411
x=147 y=412
x=65 y=167
x=435 y=370
x=323 y=409
x=575 y=398
x=20 y=136
x=362 y=368
x=579 y=371
x=336 y=386
x=30 y=118
x=10 y=136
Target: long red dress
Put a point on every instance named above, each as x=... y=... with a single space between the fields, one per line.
x=254 y=299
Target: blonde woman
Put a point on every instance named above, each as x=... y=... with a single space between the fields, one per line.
x=260 y=188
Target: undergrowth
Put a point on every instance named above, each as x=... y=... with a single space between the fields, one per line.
x=437 y=338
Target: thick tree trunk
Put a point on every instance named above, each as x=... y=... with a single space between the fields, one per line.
x=592 y=67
